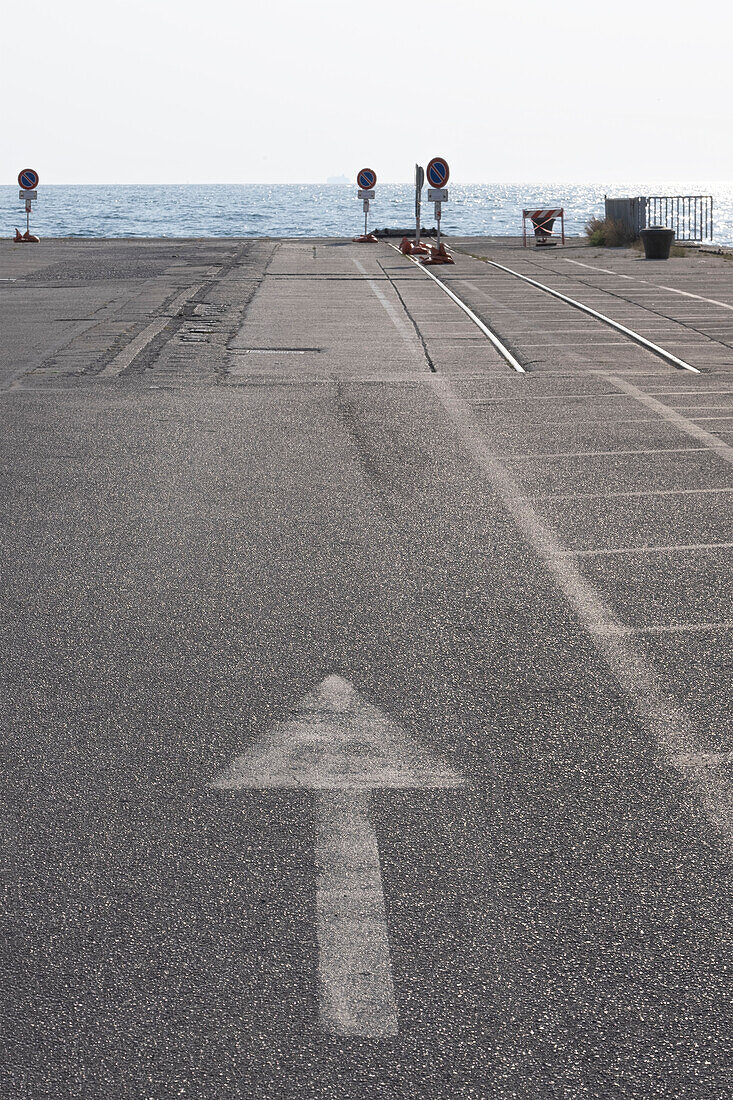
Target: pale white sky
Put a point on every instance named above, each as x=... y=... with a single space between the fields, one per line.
x=127 y=91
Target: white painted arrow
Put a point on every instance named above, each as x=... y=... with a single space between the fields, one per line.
x=342 y=747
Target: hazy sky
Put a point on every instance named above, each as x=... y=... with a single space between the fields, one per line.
x=281 y=92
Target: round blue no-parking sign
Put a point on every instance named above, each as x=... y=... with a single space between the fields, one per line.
x=366 y=179
x=28 y=179
x=437 y=172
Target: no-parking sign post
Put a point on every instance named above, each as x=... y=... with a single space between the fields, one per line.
x=28 y=180
x=438 y=174
x=366 y=180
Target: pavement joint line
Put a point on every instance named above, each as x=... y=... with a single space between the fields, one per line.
x=657 y=709
x=674 y=548
x=407 y=335
x=724 y=450
x=661 y=352
x=499 y=306
x=618 y=629
x=494 y=339
x=419 y=329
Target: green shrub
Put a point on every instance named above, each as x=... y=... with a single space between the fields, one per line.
x=606 y=233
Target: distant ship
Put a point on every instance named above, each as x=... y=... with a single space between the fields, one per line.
x=338 y=181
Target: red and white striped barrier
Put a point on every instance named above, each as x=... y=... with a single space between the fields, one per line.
x=542 y=221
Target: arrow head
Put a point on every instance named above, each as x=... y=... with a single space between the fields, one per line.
x=336 y=740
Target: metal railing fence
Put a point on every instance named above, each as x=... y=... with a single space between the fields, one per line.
x=691 y=216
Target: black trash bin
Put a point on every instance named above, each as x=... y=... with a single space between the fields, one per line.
x=657 y=241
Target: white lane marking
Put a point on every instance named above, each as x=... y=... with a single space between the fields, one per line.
x=724 y=450
x=655 y=706
x=491 y=336
x=148 y=334
x=406 y=332
x=672 y=628
x=635 y=336
x=591 y=267
x=357 y=990
x=673 y=548
x=340 y=746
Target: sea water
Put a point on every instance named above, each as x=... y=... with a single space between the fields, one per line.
x=320 y=210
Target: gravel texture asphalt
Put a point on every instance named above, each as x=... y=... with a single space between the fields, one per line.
x=231 y=469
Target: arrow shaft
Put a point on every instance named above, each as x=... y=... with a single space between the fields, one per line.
x=355 y=970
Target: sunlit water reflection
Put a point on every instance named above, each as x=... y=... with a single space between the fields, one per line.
x=250 y=210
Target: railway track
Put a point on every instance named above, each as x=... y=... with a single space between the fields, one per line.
x=514 y=360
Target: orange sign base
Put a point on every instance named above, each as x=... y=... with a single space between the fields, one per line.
x=26 y=238
x=437 y=256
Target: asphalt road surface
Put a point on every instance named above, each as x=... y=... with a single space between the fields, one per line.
x=366 y=704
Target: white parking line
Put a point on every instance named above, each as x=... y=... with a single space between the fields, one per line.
x=591 y=267
x=673 y=417
x=656 y=708
x=700 y=297
x=682 y=392
x=696 y=418
x=618 y=629
x=660 y=286
x=626 y=493
x=674 y=548
x=609 y=454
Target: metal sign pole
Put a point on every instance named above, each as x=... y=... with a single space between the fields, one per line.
x=437 y=215
x=366 y=215
x=419 y=181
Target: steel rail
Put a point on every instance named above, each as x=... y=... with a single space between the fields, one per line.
x=503 y=351
x=635 y=336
